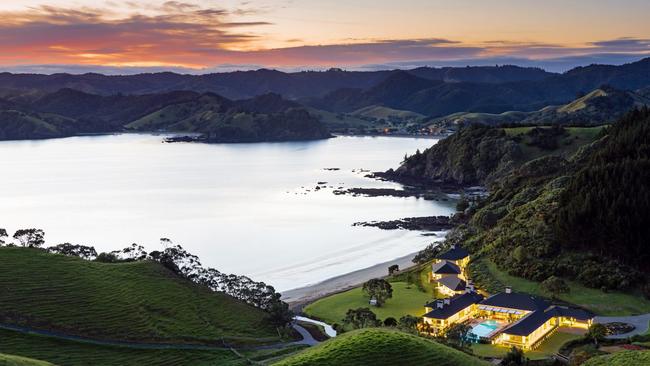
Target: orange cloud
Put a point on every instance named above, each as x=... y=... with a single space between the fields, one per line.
x=187 y=34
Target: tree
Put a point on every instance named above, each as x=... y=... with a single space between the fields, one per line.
x=392 y=269
x=378 y=289
x=462 y=204
x=32 y=238
x=75 y=250
x=361 y=318
x=279 y=313
x=3 y=236
x=458 y=333
x=596 y=332
x=133 y=253
x=554 y=286
x=390 y=322
x=514 y=357
x=408 y=323
x=107 y=258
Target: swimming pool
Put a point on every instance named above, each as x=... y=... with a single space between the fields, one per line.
x=483 y=329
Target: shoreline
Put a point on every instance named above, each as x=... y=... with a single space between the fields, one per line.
x=299 y=297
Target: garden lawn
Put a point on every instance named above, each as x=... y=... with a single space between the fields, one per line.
x=407 y=300
x=601 y=303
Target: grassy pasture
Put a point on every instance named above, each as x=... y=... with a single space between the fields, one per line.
x=141 y=301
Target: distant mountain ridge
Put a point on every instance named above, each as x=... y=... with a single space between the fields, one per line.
x=439 y=98
x=247 y=84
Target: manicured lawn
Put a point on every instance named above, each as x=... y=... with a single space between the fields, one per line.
x=550 y=347
x=407 y=300
x=601 y=303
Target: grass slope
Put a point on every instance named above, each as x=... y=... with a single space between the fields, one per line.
x=66 y=353
x=141 y=301
x=9 y=360
x=628 y=358
x=381 y=112
x=379 y=347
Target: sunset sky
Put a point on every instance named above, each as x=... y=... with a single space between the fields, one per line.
x=85 y=35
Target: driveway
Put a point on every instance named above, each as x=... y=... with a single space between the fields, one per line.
x=640 y=323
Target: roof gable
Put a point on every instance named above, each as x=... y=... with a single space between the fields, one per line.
x=456 y=304
x=453 y=283
x=445 y=267
x=454 y=254
x=516 y=300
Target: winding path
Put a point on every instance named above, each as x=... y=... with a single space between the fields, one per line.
x=640 y=322
x=307 y=340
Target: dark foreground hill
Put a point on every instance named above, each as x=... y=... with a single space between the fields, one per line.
x=380 y=347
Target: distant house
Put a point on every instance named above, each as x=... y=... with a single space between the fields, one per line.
x=449 y=271
x=507 y=318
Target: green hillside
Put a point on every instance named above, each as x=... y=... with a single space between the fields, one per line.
x=221 y=120
x=139 y=301
x=629 y=358
x=600 y=106
x=67 y=353
x=381 y=112
x=480 y=155
x=379 y=347
x=9 y=360
x=18 y=125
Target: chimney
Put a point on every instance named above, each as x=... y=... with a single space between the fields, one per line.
x=447 y=301
x=439 y=303
x=469 y=288
x=508 y=290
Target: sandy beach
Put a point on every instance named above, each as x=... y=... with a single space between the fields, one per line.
x=299 y=297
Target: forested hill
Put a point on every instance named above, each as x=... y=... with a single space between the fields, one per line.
x=68 y=112
x=581 y=216
x=480 y=155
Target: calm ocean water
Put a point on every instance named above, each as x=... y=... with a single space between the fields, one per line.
x=243 y=208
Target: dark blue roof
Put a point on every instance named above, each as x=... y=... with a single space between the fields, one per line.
x=529 y=323
x=454 y=254
x=456 y=304
x=445 y=267
x=453 y=283
x=534 y=320
x=575 y=313
x=516 y=300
